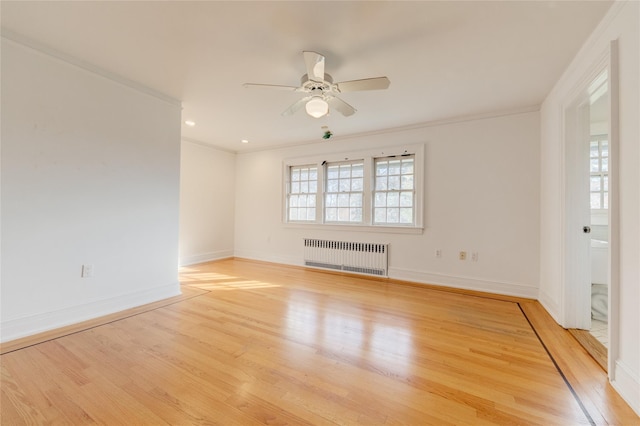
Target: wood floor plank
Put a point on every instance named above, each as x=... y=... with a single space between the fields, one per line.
x=258 y=343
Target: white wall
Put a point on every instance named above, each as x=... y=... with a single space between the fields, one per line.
x=481 y=195
x=90 y=175
x=621 y=23
x=207 y=198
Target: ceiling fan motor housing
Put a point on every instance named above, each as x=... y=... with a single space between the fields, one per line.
x=307 y=85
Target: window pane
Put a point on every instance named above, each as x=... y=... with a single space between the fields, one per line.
x=407 y=182
x=381 y=168
x=313 y=187
x=295 y=187
x=345 y=171
x=394 y=182
x=356 y=215
x=332 y=200
x=595 y=200
x=381 y=183
x=343 y=214
x=332 y=172
x=357 y=170
x=606 y=200
x=606 y=182
x=293 y=201
x=311 y=214
x=595 y=183
x=345 y=185
x=293 y=214
x=356 y=185
x=331 y=214
x=295 y=175
x=594 y=165
x=605 y=164
x=406 y=199
x=332 y=186
x=313 y=174
x=355 y=200
x=303 y=201
x=343 y=200
x=394 y=167
x=393 y=199
x=380 y=215
x=406 y=215
x=593 y=149
x=393 y=215
x=407 y=166
x=381 y=199
x=604 y=148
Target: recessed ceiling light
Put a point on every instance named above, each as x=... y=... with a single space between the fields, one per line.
x=190 y=123
x=244 y=141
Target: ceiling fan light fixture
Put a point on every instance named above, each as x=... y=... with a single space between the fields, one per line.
x=317 y=107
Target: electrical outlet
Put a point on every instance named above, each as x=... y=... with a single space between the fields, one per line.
x=438 y=253
x=463 y=255
x=87 y=271
x=474 y=256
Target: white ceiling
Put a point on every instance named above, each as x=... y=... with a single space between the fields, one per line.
x=444 y=59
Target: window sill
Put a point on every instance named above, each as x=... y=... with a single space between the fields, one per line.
x=356 y=228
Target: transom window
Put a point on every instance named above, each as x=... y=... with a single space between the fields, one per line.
x=599 y=168
x=372 y=188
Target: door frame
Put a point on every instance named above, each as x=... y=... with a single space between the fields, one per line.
x=576 y=296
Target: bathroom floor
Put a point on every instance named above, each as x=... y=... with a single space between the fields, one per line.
x=599 y=330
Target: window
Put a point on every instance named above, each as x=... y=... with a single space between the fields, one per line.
x=375 y=188
x=394 y=190
x=599 y=168
x=344 y=192
x=303 y=193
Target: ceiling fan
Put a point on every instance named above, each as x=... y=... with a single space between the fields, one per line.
x=322 y=90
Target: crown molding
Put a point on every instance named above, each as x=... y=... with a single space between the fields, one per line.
x=43 y=49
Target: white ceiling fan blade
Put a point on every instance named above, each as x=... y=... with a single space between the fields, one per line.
x=315 y=65
x=377 y=83
x=296 y=106
x=270 y=86
x=341 y=106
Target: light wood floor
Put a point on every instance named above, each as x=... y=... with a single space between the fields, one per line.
x=257 y=343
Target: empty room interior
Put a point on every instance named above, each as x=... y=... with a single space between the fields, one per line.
x=310 y=212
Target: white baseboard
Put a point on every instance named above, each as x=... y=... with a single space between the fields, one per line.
x=466 y=283
x=504 y=288
x=627 y=383
x=28 y=326
x=205 y=257
x=551 y=307
x=254 y=255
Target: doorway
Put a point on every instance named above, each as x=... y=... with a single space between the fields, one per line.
x=599 y=206
x=590 y=207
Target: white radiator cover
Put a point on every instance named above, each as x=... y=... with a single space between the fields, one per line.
x=361 y=258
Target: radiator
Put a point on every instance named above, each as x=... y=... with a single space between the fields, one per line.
x=362 y=258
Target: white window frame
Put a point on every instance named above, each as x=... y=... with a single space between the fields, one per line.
x=326 y=192
x=289 y=193
x=400 y=189
x=368 y=157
